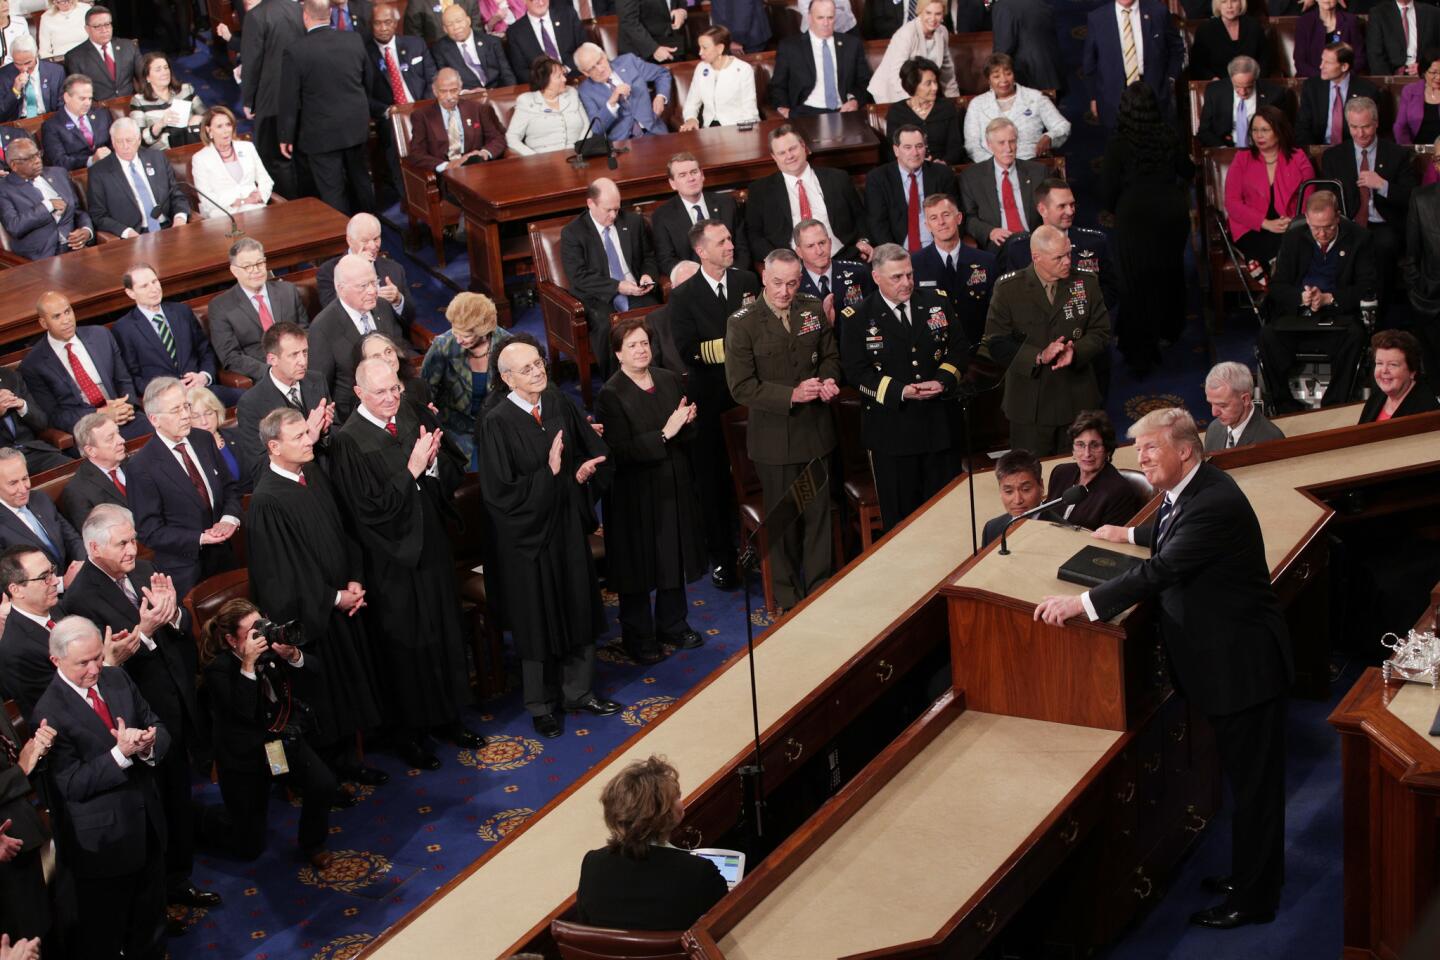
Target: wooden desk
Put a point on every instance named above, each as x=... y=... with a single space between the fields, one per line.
x=187 y=258
x=518 y=189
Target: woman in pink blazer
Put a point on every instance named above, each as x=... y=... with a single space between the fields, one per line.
x=497 y=15
x=1262 y=185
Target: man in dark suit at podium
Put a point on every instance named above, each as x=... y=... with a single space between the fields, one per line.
x=1225 y=637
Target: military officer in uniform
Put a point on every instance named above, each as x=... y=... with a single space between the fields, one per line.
x=1090 y=249
x=849 y=282
x=904 y=350
x=1057 y=320
x=967 y=275
x=781 y=361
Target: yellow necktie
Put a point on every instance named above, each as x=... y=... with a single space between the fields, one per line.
x=1127 y=41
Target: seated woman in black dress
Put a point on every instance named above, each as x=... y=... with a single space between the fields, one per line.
x=1402 y=388
x=928 y=110
x=1226 y=35
x=1111 y=499
x=637 y=881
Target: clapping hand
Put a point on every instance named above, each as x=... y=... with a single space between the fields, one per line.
x=587 y=470
x=320 y=419
x=119 y=647
x=427 y=445
x=9 y=846
x=132 y=740
x=36 y=747
x=682 y=414
x=20 y=949
x=557 y=452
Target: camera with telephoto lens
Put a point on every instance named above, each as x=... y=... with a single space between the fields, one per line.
x=288 y=633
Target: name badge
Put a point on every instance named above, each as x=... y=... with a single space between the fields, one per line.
x=275 y=758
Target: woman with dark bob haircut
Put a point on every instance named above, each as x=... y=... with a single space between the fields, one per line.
x=1111 y=499
x=637 y=881
x=549 y=116
x=927 y=109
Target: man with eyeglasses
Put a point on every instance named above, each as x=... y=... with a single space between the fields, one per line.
x=30 y=518
x=287 y=382
x=109 y=63
x=33 y=588
x=362 y=238
x=358 y=309
x=1056 y=323
x=240 y=316
x=39 y=206
x=186 y=504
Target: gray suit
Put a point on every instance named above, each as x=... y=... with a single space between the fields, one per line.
x=1258 y=430
x=235 y=325
x=980 y=202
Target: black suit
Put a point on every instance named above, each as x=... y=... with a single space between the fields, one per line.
x=980 y=203
x=385 y=269
x=645 y=25
x=235 y=329
x=21 y=429
x=52 y=81
x=1312 y=122
x=165 y=677
x=86 y=59
x=1217 y=116
x=1420 y=399
x=1229 y=653
x=262 y=399
x=24 y=901
x=64 y=545
x=1385 y=36
x=333 y=338
x=269 y=29
x=887 y=197
x=86 y=490
x=1025 y=29
x=768 y=217
x=359 y=12
x=423 y=19
x=111 y=198
x=1393 y=162
x=65 y=146
x=795 y=77
x=668 y=890
x=671 y=222
x=491 y=54
x=583 y=254
x=417 y=72
x=25 y=667
x=523 y=47
x=325 y=113
x=114 y=834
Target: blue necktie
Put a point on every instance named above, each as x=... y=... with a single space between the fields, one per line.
x=617 y=272
x=1242 y=129
x=147 y=199
x=827 y=64
x=32 y=102
x=1162 y=521
x=34 y=524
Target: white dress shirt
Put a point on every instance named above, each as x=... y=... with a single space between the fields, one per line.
x=818 y=210
x=542 y=28
x=357 y=317
x=189 y=456
x=81 y=354
x=905 y=192
x=1033 y=114
x=1407 y=14
x=817 y=93
x=1000 y=176
x=1372 y=154
x=619 y=247
x=1236 y=431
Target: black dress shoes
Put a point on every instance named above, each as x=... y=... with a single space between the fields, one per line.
x=192 y=896
x=547 y=725
x=1221 y=885
x=1224 y=918
x=645 y=651
x=344 y=799
x=418 y=756
x=597 y=706
x=369 y=776
x=459 y=735
x=689 y=640
x=723 y=577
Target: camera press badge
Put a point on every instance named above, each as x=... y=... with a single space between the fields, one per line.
x=275 y=756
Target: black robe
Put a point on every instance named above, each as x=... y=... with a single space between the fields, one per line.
x=411 y=602
x=300 y=555
x=540 y=522
x=652 y=520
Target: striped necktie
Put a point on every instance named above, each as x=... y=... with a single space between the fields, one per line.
x=1127 y=44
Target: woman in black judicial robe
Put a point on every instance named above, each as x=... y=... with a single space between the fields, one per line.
x=410 y=593
x=653 y=537
x=300 y=556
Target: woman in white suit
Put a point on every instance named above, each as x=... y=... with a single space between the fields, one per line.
x=548 y=117
x=722 y=87
x=925 y=36
x=227 y=169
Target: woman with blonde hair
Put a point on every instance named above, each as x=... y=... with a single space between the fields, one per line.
x=62 y=27
x=925 y=36
x=460 y=366
x=208 y=413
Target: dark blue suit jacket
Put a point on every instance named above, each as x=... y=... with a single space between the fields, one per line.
x=1103 y=61
x=492 y=60
x=169 y=514
x=416 y=69
x=112 y=204
x=968 y=283
x=65 y=145
x=145 y=356
x=56 y=391
x=65 y=544
x=52 y=82
x=34 y=233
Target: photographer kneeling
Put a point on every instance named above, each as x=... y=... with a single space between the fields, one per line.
x=260 y=727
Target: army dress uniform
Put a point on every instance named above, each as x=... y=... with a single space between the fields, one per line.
x=1041 y=401
x=908 y=440
x=765 y=359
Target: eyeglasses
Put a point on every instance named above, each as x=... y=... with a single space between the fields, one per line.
x=1080 y=446
x=255 y=267
x=46 y=577
x=532 y=368
x=176 y=411
x=97 y=25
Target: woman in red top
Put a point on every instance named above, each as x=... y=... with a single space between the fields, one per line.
x=1263 y=184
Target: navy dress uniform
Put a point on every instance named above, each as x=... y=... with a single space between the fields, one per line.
x=967 y=274
x=848 y=280
x=1041 y=401
x=883 y=349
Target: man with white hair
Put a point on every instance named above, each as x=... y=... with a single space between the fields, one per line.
x=362 y=238
x=29 y=86
x=114 y=832
x=337 y=330
x=29 y=517
x=1230 y=391
x=133 y=191
x=997 y=195
x=624 y=97
x=1224 y=635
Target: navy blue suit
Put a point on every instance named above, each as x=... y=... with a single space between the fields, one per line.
x=52 y=83
x=1103 y=62
x=65 y=145
x=967 y=282
x=416 y=69
x=34 y=232
x=65 y=544
x=59 y=396
x=491 y=54
x=169 y=514
x=146 y=357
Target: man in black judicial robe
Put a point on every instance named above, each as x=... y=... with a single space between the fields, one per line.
x=305 y=566
x=538 y=456
x=396 y=480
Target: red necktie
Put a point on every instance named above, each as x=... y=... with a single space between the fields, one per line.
x=912 y=238
x=101 y=711
x=390 y=429
x=2 y=151
x=49 y=624
x=1012 y=212
x=267 y=319
x=88 y=390
x=1337 y=117
x=115 y=475
x=300 y=478
x=804 y=199
x=109 y=61
x=397 y=86
x=195 y=477
x=1362 y=215
x=535 y=412
x=86 y=131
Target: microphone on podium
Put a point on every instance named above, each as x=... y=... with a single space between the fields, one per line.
x=1069 y=498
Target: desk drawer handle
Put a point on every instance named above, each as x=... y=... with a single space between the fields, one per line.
x=791 y=744
x=1144 y=886
x=1070 y=832
x=690 y=838
x=1197 y=822
x=884 y=671
x=1181 y=729
x=1302 y=571
x=986 y=922
x=1153 y=764
x=1128 y=794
